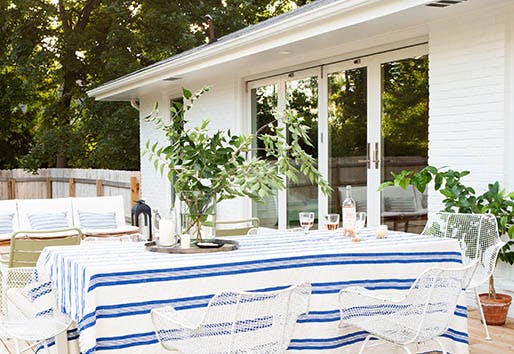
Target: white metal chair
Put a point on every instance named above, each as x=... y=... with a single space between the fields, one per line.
x=29 y=310
x=479 y=239
x=421 y=315
x=236 y=322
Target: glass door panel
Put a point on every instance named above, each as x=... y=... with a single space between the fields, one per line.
x=404 y=130
x=302 y=98
x=264 y=102
x=347 y=136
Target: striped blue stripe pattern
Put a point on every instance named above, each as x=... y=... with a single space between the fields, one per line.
x=6 y=226
x=49 y=221
x=105 y=285
x=94 y=220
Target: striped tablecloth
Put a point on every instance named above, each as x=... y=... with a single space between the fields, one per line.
x=109 y=290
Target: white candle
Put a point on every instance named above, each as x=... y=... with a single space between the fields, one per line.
x=166 y=232
x=185 y=241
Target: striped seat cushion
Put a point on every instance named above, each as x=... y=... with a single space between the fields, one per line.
x=49 y=221
x=96 y=220
x=6 y=223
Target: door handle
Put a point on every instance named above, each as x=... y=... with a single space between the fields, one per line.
x=375 y=156
x=367 y=161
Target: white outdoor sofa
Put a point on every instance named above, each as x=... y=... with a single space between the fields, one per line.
x=92 y=215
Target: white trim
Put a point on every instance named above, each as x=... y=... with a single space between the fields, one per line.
x=509 y=103
x=320 y=20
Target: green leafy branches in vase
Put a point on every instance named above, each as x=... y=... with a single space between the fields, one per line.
x=199 y=162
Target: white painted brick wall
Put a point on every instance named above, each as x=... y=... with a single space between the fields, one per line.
x=467 y=100
x=469 y=108
x=221 y=105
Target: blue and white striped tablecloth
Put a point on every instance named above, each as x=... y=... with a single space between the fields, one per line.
x=109 y=290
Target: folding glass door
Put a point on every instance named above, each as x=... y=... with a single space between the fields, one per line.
x=367 y=117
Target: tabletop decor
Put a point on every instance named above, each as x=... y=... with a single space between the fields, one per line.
x=201 y=163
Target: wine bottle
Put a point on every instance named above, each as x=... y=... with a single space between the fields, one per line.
x=349 y=214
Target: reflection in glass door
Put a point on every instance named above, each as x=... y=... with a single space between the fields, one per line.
x=302 y=99
x=347 y=132
x=264 y=104
x=404 y=139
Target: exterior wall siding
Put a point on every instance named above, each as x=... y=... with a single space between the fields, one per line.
x=469 y=107
x=219 y=105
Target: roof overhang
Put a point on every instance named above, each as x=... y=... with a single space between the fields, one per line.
x=348 y=21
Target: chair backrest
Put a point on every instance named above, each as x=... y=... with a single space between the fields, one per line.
x=99 y=205
x=27 y=207
x=478 y=236
x=25 y=251
x=8 y=209
x=236 y=227
x=243 y=322
x=431 y=301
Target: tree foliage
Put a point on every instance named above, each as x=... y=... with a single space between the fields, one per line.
x=55 y=50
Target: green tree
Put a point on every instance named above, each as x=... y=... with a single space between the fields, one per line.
x=66 y=47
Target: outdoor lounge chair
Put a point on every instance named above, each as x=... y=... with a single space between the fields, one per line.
x=236 y=322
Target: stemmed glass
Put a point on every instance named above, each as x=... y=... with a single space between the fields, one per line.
x=360 y=221
x=331 y=223
x=306 y=221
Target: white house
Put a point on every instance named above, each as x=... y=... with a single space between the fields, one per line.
x=342 y=55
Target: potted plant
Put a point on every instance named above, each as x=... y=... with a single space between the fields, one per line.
x=204 y=166
x=463 y=199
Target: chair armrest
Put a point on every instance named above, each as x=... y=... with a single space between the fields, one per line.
x=169 y=314
x=69 y=231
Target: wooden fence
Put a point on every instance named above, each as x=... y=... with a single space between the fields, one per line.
x=68 y=182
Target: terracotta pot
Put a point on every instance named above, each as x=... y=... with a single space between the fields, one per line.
x=495 y=310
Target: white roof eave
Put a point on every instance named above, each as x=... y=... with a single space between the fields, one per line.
x=322 y=20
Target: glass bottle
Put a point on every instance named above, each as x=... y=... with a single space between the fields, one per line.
x=349 y=213
x=156 y=219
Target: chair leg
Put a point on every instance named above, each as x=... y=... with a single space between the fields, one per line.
x=407 y=350
x=477 y=298
x=361 y=351
x=443 y=349
x=16 y=346
x=46 y=346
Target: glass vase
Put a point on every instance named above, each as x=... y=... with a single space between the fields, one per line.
x=198 y=214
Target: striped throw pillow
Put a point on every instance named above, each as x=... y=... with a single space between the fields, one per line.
x=6 y=223
x=91 y=220
x=49 y=221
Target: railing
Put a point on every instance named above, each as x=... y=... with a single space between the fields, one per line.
x=64 y=182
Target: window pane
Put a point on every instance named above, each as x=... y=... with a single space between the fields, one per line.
x=302 y=98
x=264 y=105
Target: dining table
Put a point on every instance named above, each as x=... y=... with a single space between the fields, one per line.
x=109 y=289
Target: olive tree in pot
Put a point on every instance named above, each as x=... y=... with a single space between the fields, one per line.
x=201 y=163
x=463 y=199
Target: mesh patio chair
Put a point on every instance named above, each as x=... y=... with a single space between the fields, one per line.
x=237 y=227
x=236 y=322
x=479 y=240
x=29 y=311
x=422 y=315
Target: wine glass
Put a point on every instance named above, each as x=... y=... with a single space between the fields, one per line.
x=360 y=221
x=331 y=224
x=306 y=221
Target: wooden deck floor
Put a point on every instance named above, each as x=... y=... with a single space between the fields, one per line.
x=502 y=343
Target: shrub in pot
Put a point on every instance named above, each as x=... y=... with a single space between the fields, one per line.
x=461 y=198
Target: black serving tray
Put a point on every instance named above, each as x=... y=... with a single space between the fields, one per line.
x=221 y=246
